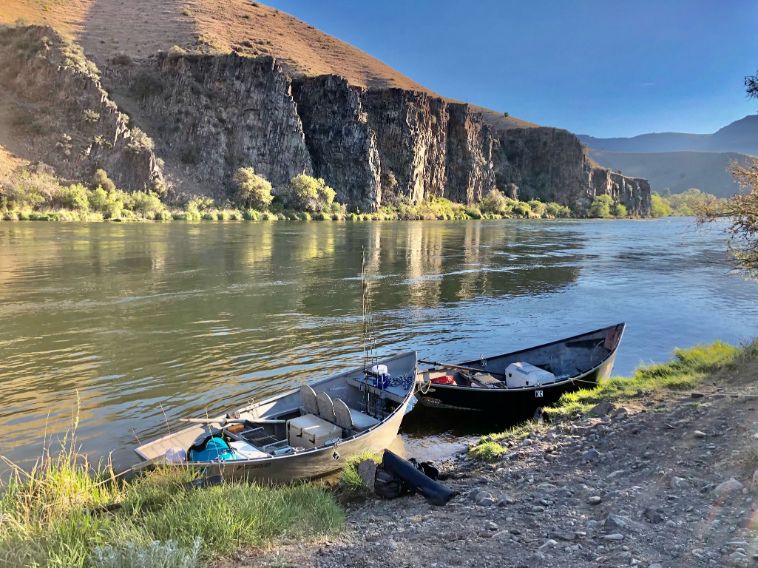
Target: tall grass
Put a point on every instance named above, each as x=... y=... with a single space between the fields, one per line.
x=65 y=512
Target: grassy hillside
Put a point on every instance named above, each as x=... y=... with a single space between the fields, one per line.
x=676 y=171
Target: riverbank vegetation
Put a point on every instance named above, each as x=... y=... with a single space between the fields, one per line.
x=686 y=370
x=686 y=204
x=742 y=209
x=40 y=196
x=64 y=513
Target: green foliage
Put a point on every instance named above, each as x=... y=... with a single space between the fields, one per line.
x=109 y=203
x=91 y=115
x=152 y=555
x=601 y=207
x=39 y=196
x=28 y=189
x=56 y=515
x=306 y=193
x=538 y=209
x=557 y=211
x=489 y=448
x=692 y=202
x=139 y=141
x=350 y=481
x=146 y=204
x=619 y=210
x=488 y=451
x=496 y=203
x=101 y=179
x=659 y=206
x=521 y=209
x=74 y=197
x=252 y=191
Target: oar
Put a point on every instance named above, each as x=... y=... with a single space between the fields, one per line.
x=459 y=367
x=224 y=421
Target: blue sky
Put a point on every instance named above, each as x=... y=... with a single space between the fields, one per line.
x=600 y=67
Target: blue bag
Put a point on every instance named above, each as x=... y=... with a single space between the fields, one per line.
x=211 y=449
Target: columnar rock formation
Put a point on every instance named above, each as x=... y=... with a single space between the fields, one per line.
x=211 y=114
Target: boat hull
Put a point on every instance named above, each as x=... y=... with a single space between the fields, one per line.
x=519 y=402
x=307 y=465
x=300 y=463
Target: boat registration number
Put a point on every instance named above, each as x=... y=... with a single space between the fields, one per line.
x=538 y=394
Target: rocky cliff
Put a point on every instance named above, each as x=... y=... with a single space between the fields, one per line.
x=207 y=115
x=214 y=114
x=57 y=112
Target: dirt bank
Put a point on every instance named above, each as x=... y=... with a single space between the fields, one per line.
x=664 y=478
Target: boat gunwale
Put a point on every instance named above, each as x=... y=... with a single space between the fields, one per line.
x=543 y=386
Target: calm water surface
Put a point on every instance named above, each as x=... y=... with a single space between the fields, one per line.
x=147 y=323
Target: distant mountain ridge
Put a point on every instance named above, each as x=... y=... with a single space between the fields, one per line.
x=677 y=161
x=677 y=171
x=741 y=136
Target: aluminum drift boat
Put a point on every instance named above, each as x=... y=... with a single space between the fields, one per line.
x=520 y=382
x=301 y=434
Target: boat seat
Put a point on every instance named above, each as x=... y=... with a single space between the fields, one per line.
x=352 y=419
x=308 y=396
x=326 y=407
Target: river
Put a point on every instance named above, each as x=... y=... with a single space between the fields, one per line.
x=137 y=325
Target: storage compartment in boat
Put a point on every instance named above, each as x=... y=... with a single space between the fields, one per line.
x=521 y=374
x=485 y=380
x=246 y=451
x=310 y=431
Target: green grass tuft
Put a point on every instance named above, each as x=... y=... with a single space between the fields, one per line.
x=350 y=482
x=488 y=451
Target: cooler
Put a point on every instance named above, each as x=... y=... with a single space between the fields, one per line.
x=310 y=431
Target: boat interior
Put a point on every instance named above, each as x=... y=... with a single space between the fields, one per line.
x=549 y=363
x=313 y=416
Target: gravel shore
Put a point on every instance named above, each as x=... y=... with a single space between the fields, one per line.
x=662 y=479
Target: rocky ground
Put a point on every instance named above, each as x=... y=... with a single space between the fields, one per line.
x=661 y=480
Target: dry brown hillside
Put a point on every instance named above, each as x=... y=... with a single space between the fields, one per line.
x=139 y=28
x=66 y=16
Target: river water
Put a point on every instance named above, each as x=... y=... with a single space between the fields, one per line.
x=138 y=325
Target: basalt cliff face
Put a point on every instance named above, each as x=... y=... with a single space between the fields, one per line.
x=207 y=115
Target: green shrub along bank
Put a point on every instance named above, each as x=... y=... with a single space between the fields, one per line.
x=686 y=204
x=61 y=514
x=686 y=370
x=39 y=196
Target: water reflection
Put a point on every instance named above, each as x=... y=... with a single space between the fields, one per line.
x=151 y=322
